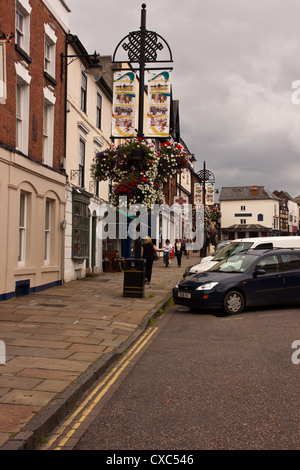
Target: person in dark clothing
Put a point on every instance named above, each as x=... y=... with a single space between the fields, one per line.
x=147 y=254
x=179 y=249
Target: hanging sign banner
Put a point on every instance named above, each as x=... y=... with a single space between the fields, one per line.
x=123 y=109
x=158 y=112
x=209 y=193
x=199 y=193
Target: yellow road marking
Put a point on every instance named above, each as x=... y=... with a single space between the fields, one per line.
x=109 y=381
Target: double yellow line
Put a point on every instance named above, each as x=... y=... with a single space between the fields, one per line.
x=82 y=412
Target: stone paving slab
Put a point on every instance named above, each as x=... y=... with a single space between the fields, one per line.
x=59 y=341
x=14 y=417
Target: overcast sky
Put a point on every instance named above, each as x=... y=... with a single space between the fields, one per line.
x=234 y=65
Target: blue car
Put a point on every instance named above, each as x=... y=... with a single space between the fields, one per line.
x=252 y=278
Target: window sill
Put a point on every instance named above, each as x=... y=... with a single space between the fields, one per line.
x=50 y=78
x=23 y=53
x=24 y=270
x=49 y=268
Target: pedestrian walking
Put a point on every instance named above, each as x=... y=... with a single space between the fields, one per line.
x=148 y=252
x=167 y=249
x=179 y=249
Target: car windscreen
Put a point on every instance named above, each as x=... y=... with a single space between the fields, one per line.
x=218 y=250
x=231 y=249
x=235 y=264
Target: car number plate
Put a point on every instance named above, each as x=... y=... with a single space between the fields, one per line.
x=186 y=295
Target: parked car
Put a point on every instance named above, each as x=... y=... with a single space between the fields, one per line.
x=242 y=244
x=246 y=279
x=207 y=259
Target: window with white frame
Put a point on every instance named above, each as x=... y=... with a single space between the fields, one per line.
x=50 y=50
x=99 y=110
x=82 y=144
x=22 y=107
x=47 y=64
x=83 y=92
x=243 y=221
x=22 y=228
x=48 y=126
x=19 y=28
x=2 y=73
x=18 y=115
x=83 y=131
x=23 y=10
x=47 y=248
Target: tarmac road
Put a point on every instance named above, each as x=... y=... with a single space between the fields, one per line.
x=207 y=382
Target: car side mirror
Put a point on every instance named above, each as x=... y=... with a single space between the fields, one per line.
x=259 y=272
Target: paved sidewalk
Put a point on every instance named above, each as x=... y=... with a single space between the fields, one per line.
x=59 y=341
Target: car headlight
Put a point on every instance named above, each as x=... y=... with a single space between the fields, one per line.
x=207 y=286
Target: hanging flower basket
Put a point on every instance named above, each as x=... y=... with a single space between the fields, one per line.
x=139 y=179
x=115 y=162
x=172 y=159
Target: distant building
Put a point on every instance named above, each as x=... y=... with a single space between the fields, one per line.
x=290 y=211
x=249 y=211
x=297 y=200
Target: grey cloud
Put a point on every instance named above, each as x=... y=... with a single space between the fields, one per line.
x=234 y=64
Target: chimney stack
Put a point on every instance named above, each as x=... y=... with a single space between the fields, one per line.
x=253 y=190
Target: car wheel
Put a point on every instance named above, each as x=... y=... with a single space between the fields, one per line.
x=233 y=302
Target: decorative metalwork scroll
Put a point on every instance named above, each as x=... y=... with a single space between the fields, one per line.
x=133 y=45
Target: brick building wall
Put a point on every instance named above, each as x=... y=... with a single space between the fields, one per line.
x=34 y=62
x=32 y=186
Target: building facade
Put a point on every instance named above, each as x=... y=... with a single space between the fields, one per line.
x=289 y=217
x=88 y=131
x=248 y=211
x=32 y=185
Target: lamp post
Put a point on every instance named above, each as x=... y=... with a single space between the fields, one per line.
x=205 y=176
x=142 y=48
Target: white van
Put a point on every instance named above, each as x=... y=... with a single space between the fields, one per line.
x=242 y=244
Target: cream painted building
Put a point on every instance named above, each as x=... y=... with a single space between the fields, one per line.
x=248 y=211
x=32 y=210
x=88 y=131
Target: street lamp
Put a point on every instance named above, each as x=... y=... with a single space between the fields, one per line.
x=205 y=176
x=94 y=68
